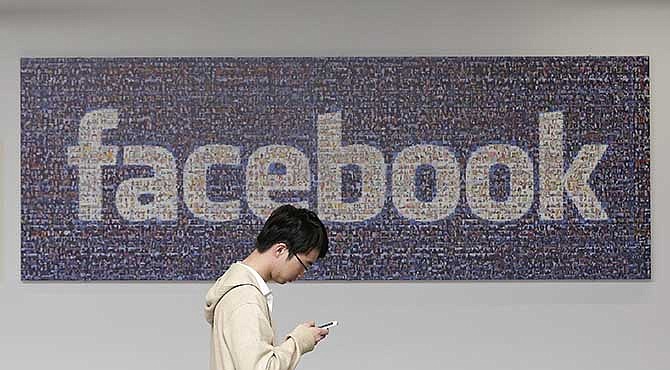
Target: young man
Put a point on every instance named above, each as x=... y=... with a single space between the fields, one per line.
x=239 y=305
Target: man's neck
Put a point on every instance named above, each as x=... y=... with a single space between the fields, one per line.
x=257 y=262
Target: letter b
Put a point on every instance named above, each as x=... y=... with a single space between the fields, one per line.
x=332 y=156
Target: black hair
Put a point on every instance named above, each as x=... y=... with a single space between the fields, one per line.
x=299 y=228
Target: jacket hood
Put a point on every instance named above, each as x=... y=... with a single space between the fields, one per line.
x=237 y=275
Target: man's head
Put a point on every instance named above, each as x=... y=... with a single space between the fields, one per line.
x=295 y=238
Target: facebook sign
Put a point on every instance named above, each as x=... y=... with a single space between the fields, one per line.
x=461 y=168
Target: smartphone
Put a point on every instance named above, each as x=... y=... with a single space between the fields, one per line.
x=328 y=325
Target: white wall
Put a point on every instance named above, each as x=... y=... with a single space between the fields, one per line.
x=442 y=325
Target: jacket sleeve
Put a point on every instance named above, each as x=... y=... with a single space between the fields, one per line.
x=249 y=336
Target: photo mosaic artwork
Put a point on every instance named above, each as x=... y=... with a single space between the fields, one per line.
x=422 y=168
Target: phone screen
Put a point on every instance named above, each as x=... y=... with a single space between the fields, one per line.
x=328 y=325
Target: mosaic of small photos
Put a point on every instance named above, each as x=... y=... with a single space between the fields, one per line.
x=460 y=168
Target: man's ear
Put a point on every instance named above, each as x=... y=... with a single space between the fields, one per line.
x=278 y=249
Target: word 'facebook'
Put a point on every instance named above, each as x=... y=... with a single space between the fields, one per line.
x=555 y=183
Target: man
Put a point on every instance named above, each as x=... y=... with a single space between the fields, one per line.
x=239 y=305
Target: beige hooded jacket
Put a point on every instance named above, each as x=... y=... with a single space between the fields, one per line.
x=242 y=331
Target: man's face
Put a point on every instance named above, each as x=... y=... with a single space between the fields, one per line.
x=289 y=269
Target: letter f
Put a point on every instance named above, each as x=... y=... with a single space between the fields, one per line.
x=89 y=156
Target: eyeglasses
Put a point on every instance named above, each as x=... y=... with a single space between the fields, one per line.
x=302 y=263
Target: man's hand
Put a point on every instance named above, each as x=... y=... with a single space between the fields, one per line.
x=318 y=333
